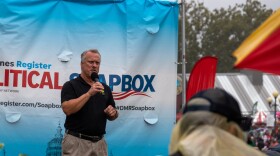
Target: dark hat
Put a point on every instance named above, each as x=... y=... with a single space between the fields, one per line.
x=218 y=101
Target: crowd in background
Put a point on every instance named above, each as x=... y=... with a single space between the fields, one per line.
x=265 y=139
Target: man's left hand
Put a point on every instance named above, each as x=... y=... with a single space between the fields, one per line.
x=111 y=112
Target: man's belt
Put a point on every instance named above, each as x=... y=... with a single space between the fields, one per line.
x=86 y=137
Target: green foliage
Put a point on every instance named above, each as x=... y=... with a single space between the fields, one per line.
x=219 y=32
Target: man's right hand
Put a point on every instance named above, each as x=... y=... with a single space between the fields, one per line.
x=96 y=87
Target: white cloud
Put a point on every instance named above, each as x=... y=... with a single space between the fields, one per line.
x=215 y=4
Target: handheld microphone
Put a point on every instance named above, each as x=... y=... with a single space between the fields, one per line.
x=94 y=76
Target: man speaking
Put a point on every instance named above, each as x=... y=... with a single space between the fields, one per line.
x=87 y=104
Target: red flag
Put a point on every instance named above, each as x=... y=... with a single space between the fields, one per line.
x=202 y=76
x=261 y=50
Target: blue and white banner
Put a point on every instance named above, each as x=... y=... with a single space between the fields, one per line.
x=40 y=46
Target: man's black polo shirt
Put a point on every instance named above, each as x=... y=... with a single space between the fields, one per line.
x=90 y=119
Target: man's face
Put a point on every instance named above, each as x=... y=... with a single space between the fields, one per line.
x=91 y=63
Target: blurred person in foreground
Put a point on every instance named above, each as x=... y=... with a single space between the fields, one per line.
x=210 y=127
x=87 y=104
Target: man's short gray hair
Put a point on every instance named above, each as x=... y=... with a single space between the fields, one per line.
x=89 y=50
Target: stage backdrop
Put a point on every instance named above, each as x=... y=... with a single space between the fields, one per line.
x=40 y=46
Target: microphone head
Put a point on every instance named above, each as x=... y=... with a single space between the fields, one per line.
x=94 y=76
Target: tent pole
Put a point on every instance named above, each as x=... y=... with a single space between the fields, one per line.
x=183 y=56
